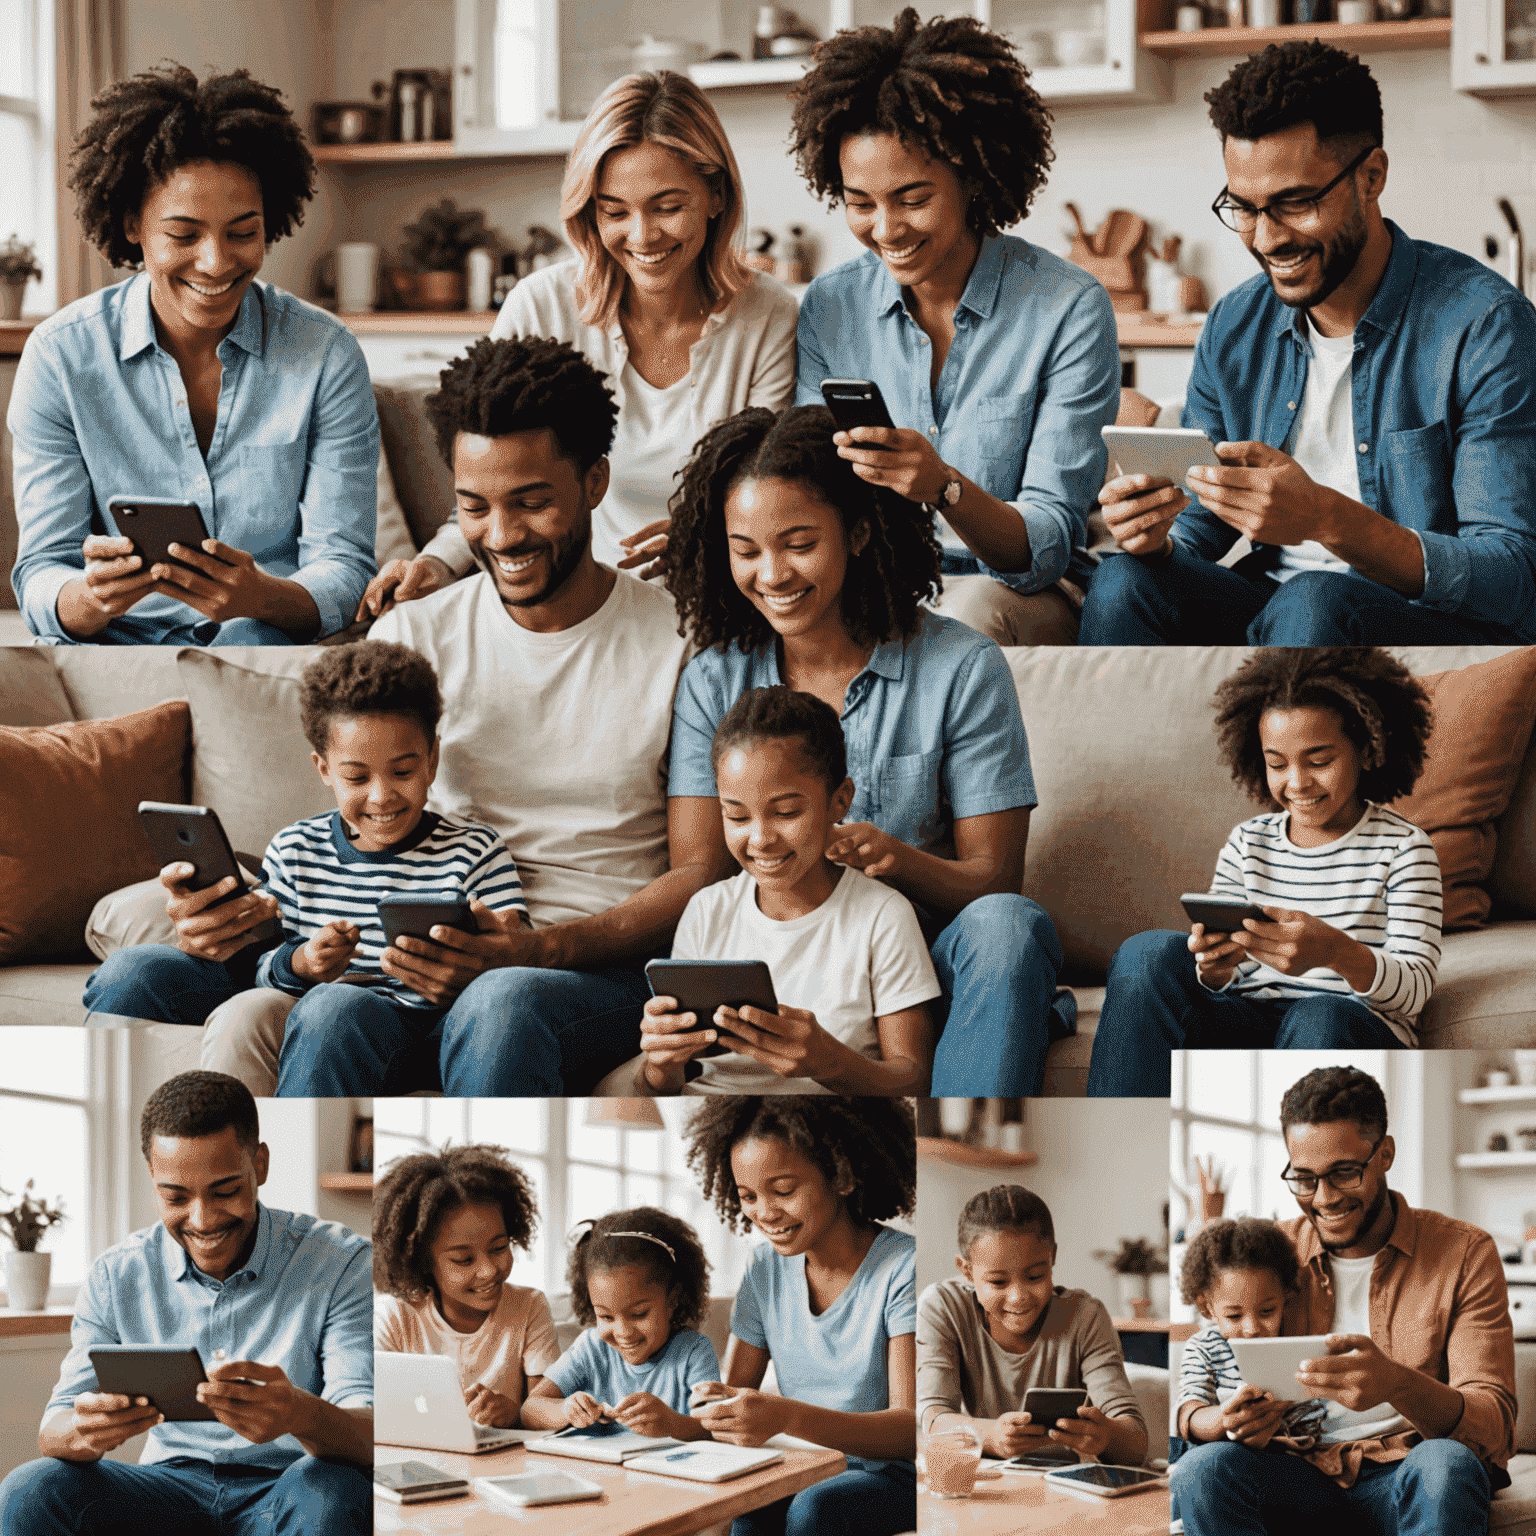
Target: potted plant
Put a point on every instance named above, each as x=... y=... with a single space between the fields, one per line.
x=26 y=1270
x=1133 y=1261
x=436 y=247
x=18 y=264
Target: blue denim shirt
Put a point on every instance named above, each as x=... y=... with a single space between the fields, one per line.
x=932 y=727
x=304 y=1302
x=1031 y=376
x=98 y=410
x=1444 y=391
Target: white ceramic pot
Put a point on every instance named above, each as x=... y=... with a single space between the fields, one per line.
x=10 y=300
x=1160 y=1295
x=1132 y=1288
x=26 y=1280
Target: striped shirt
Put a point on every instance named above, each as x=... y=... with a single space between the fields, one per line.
x=1379 y=883
x=1208 y=1375
x=318 y=876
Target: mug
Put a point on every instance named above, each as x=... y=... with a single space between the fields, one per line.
x=357 y=277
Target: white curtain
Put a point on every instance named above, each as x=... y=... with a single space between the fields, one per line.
x=88 y=54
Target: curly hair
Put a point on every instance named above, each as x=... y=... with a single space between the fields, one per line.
x=868 y=1143
x=146 y=127
x=1382 y=708
x=1246 y=1243
x=1300 y=82
x=611 y=1243
x=949 y=89
x=886 y=582
x=522 y=384
x=1335 y=1093
x=781 y=714
x=199 y=1104
x=418 y=1192
x=1004 y=1208
x=368 y=677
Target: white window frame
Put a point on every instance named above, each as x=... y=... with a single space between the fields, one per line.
x=38 y=113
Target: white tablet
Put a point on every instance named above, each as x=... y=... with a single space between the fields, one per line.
x=1167 y=452
x=705 y=1461
x=1095 y=1480
x=537 y=1488
x=1272 y=1363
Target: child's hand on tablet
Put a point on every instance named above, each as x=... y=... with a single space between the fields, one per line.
x=489 y=1407
x=582 y=1409
x=327 y=955
x=1252 y=1417
x=669 y=1040
x=1087 y=1433
x=1217 y=956
x=1018 y=1434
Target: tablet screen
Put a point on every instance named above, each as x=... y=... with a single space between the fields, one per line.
x=1094 y=1475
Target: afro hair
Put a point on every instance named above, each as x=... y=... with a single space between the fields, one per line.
x=368 y=677
x=1300 y=82
x=1246 y=1243
x=665 y=1246
x=1336 y=1093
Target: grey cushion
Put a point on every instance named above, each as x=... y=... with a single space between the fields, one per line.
x=31 y=691
x=1485 y=995
x=422 y=481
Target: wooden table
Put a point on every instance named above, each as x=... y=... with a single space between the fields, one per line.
x=1015 y=1504
x=634 y=1503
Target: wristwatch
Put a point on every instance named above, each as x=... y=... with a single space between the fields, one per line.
x=948 y=495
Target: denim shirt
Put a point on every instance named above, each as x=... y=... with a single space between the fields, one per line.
x=1444 y=393
x=1031 y=376
x=99 y=410
x=932 y=726
x=303 y=1301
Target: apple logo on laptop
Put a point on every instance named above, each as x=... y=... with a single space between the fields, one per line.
x=421 y=1402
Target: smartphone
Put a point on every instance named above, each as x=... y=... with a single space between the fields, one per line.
x=1045 y=1405
x=1167 y=452
x=1096 y=1480
x=1041 y=1461
x=538 y=1488
x=1219 y=912
x=168 y=1375
x=417 y=915
x=155 y=523
x=856 y=403
x=701 y=986
x=412 y=1482
x=193 y=834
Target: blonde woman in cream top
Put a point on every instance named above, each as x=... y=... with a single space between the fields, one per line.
x=657 y=299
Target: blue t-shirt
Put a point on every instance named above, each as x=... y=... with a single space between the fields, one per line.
x=932 y=726
x=836 y=1360
x=671 y=1374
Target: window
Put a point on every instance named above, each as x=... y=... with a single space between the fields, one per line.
x=26 y=140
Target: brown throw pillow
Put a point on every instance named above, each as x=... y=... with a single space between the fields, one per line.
x=74 y=832
x=1483 y=719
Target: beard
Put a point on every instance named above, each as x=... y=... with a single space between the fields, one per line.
x=1368 y=1220
x=1339 y=255
x=565 y=557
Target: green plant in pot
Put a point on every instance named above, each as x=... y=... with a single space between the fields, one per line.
x=1134 y=1261
x=435 y=249
x=18 y=265
x=27 y=1270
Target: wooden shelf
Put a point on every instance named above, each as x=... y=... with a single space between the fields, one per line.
x=21 y=1325
x=14 y=333
x=459 y=322
x=385 y=154
x=943 y=1150
x=1144 y=329
x=1515 y=1093
x=1496 y=1160
x=347 y=1183
x=1380 y=36
x=726 y=74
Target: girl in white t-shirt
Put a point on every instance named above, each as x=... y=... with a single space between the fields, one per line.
x=444 y=1228
x=845 y=951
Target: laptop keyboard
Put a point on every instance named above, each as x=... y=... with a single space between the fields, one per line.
x=488 y=1432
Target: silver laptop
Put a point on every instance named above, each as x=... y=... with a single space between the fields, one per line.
x=418 y=1402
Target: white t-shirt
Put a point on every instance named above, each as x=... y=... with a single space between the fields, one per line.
x=1325 y=441
x=557 y=741
x=1352 y=1314
x=643 y=460
x=858 y=956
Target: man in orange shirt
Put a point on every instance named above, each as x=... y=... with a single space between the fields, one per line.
x=1421 y=1361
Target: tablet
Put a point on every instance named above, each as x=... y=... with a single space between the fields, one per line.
x=529 y=1488
x=167 y=1374
x=701 y=986
x=1095 y=1480
x=705 y=1461
x=1166 y=452
x=1219 y=912
x=1272 y=1363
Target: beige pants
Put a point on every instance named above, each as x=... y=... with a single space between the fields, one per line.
x=1009 y=617
x=244 y=1036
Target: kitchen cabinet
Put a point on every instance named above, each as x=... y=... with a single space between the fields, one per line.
x=1493 y=47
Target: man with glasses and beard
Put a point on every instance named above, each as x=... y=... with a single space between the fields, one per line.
x=1421 y=1361
x=1372 y=399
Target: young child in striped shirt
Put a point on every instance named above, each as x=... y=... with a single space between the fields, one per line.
x=1347 y=955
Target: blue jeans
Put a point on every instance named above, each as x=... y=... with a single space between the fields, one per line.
x=161 y=982
x=1225 y=1489
x=1154 y=1004
x=997 y=963
x=1188 y=600
x=872 y=1498
x=114 y=1498
x=206 y=632
x=514 y=1032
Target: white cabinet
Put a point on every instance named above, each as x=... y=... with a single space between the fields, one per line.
x=1493 y=47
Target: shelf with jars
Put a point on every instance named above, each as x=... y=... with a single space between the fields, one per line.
x=1378 y=36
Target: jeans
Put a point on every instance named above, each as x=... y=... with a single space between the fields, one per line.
x=205 y=632
x=872 y=1498
x=1187 y=600
x=515 y=1033
x=997 y=963
x=185 y=1497
x=163 y=984
x=1225 y=1489
x=1154 y=1004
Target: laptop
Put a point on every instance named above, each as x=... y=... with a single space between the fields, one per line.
x=418 y=1402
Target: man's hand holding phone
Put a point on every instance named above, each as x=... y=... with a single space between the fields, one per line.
x=440 y=966
x=212 y=932
x=326 y=956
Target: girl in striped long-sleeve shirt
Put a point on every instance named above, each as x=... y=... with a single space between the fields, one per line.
x=1325 y=737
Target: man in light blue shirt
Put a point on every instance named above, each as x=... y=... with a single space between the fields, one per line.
x=279 y=1308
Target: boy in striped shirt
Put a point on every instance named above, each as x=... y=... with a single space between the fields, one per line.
x=1350 y=889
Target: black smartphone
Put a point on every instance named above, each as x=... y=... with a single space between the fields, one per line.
x=167 y=1375
x=1219 y=912
x=1045 y=1405
x=416 y=915
x=701 y=986
x=154 y=524
x=193 y=834
x=857 y=403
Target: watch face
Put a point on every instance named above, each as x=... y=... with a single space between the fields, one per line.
x=951 y=492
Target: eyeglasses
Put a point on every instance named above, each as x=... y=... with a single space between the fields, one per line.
x=1342 y=1176
x=1293 y=212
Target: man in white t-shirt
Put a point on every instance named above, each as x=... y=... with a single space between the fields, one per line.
x=557 y=682
x=1420 y=1369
